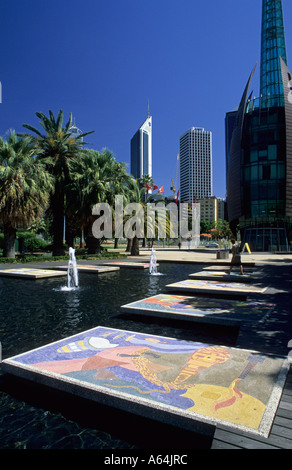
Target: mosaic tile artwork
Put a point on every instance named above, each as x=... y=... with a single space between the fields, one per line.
x=225 y=276
x=233 y=288
x=30 y=273
x=202 y=382
x=203 y=309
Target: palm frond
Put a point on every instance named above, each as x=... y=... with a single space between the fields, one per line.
x=59 y=123
x=69 y=123
x=32 y=129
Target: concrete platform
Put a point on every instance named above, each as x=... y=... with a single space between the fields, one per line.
x=201 y=309
x=226 y=269
x=188 y=384
x=129 y=264
x=31 y=273
x=225 y=276
x=215 y=287
x=93 y=269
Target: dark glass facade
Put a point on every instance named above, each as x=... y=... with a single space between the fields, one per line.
x=263 y=177
x=145 y=152
x=135 y=155
x=229 y=125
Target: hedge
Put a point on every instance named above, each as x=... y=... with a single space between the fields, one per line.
x=42 y=259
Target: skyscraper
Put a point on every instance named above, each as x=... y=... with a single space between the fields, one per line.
x=141 y=150
x=229 y=124
x=196 y=165
x=259 y=176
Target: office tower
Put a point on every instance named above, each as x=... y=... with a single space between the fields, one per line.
x=141 y=150
x=195 y=165
x=212 y=209
x=259 y=181
x=229 y=124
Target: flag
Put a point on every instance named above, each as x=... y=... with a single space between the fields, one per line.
x=161 y=189
x=176 y=200
x=150 y=187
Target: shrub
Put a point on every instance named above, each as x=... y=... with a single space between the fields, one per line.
x=35 y=244
x=29 y=242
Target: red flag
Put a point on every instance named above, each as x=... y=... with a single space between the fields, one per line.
x=150 y=187
x=176 y=200
x=161 y=189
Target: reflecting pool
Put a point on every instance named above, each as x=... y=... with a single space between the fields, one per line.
x=35 y=313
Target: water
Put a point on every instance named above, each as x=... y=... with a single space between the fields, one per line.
x=153 y=264
x=72 y=274
x=35 y=313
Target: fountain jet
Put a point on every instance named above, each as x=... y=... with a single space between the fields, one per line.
x=72 y=270
x=153 y=263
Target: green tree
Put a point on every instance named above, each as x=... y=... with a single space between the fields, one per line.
x=98 y=178
x=144 y=180
x=137 y=195
x=24 y=188
x=57 y=148
x=206 y=226
x=222 y=229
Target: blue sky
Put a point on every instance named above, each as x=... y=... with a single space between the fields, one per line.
x=103 y=60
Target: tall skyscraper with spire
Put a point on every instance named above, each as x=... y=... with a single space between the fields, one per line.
x=141 y=149
x=259 y=173
x=272 y=48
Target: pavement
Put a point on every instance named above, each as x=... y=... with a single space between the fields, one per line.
x=208 y=256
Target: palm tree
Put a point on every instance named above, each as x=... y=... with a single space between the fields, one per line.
x=24 y=188
x=136 y=194
x=144 y=180
x=98 y=178
x=57 y=149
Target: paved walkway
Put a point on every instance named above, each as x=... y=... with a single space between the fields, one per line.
x=207 y=256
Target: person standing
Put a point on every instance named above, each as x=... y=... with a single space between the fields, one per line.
x=236 y=256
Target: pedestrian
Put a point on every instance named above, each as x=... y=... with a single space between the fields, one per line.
x=236 y=256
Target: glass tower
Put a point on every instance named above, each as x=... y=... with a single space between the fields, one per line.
x=272 y=48
x=260 y=152
x=141 y=150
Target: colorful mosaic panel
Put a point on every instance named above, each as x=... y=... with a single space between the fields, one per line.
x=213 y=310
x=212 y=384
